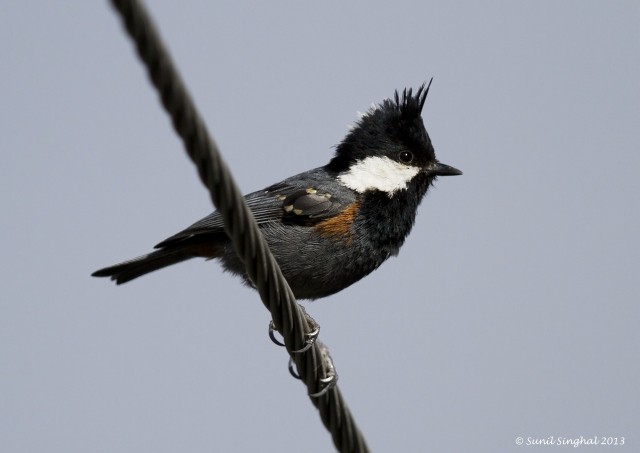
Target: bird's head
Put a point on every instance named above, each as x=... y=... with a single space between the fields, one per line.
x=389 y=147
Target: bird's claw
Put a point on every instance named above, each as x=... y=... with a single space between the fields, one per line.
x=292 y=369
x=311 y=337
x=272 y=335
x=326 y=383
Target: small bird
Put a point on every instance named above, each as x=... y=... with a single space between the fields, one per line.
x=331 y=226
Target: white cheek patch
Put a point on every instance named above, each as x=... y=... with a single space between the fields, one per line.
x=378 y=173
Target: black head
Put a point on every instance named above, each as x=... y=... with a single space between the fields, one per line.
x=390 y=142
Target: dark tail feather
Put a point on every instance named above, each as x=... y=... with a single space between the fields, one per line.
x=128 y=270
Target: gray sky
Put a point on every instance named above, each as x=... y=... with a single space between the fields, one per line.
x=512 y=309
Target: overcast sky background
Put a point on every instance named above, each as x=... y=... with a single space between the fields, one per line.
x=512 y=310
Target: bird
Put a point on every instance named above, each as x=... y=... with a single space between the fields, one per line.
x=330 y=226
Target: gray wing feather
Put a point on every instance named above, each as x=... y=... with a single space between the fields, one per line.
x=303 y=199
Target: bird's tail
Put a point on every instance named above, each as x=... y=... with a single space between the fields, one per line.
x=136 y=267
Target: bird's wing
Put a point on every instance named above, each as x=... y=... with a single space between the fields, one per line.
x=300 y=200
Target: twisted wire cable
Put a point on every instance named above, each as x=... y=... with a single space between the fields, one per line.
x=288 y=317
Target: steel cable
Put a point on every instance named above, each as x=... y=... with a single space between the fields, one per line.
x=288 y=317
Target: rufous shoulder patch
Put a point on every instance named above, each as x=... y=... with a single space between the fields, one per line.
x=339 y=226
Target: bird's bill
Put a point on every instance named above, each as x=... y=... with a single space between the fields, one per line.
x=438 y=169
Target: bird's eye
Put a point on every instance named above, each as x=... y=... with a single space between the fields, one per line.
x=406 y=157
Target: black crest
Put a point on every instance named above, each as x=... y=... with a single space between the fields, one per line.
x=410 y=105
x=388 y=128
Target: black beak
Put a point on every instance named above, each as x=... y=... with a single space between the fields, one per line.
x=438 y=169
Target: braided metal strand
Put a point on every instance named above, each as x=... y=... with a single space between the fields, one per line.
x=248 y=242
